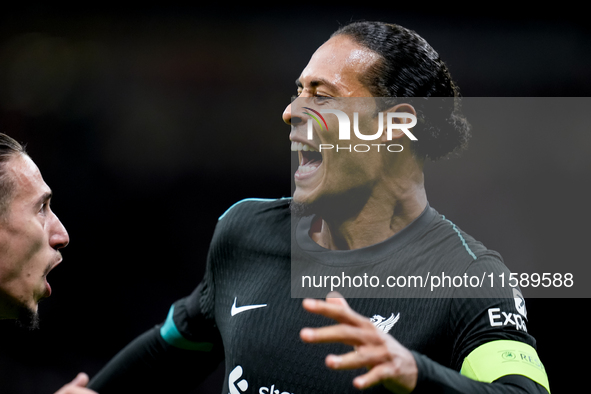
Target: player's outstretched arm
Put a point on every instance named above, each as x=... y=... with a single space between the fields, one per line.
x=388 y=362
x=150 y=364
x=171 y=357
x=76 y=386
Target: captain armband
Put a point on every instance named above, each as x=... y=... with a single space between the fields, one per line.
x=495 y=359
x=170 y=333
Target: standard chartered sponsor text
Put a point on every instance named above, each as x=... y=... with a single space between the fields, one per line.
x=435 y=281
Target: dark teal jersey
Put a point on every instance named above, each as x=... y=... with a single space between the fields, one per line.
x=244 y=311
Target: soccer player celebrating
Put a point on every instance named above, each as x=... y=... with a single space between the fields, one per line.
x=31 y=237
x=348 y=210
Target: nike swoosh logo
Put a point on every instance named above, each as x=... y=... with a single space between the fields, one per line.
x=239 y=309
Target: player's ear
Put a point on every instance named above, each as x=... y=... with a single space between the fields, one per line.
x=403 y=109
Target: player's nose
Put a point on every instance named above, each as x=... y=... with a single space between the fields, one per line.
x=58 y=237
x=289 y=117
x=287 y=114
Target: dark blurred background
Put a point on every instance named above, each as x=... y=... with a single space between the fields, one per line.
x=148 y=123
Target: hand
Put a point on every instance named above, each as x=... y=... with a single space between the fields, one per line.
x=77 y=386
x=388 y=361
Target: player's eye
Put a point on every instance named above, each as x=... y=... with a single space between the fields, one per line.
x=321 y=99
x=44 y=207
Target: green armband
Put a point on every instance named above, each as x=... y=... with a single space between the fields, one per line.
x=173 y=337
x=495 y=359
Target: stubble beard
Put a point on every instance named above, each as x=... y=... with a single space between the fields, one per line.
x=300 y=209
x=27 y=318
x=333 y=207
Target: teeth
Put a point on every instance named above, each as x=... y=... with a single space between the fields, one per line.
x=297 y=146
x=306 y=169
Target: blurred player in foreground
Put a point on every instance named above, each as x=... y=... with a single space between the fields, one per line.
x=31 y=237
x=348 y=210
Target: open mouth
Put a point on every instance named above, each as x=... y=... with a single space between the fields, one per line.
x=46 y=272
x=46 y=284
x=309 y=158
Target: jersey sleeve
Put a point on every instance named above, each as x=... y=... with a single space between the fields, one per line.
x=489 y=324
x=435 y=378
x=492 y=352
x=190 y=322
